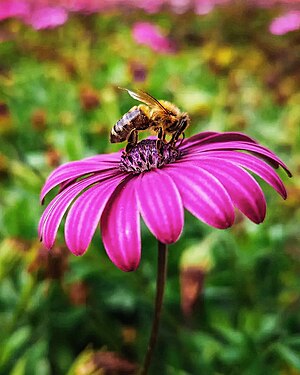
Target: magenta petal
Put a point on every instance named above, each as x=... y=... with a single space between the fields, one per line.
x=106 y=158
x=54 y=213
x=160 y=205
x=120 y=227
x=261 y=151
x=195 y=139
x=254 y=164
x=56 y=209
x=73 y=170
x=243 y=189
x=228 y=137
x=202 y=194
x=85 y=213
x=214 y=137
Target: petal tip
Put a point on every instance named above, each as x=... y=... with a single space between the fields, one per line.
x=76 y=250
x=128 y=267
x=225 y=225
x=258 y=219
x=49 y=245
x=78 y=254
x=169 y=242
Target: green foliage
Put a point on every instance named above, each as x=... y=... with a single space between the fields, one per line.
x=58 y=91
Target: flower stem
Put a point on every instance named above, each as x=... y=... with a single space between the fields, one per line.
x=160 y=288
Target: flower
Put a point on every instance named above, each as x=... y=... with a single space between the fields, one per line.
x=287 y=22
x=13 y=8
x=46 y=17
x=39 y=14
x=207 y=174
x=205 y=6
x=150 y=35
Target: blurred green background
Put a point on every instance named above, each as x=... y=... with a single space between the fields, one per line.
x=59 y=98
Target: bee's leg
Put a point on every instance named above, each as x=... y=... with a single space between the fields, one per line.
x=182 y=126
x=132 y=140
x=182 y=139
x=175 y=138
x=183 y=136
x=161 y=136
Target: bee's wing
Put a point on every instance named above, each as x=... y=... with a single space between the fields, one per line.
x=146 y=98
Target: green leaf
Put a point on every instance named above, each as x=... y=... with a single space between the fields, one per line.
x=289 y=355
x=13 y=344
x=20 y=367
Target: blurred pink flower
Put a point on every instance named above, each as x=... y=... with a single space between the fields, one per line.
x=51 y=13
x=207 y=175
x=46 y=17
x=13 y=8
x=150 y=35
x=289 y=21
x=39 y=14
x=84 y=5
x=150 y=6
x=206 y=6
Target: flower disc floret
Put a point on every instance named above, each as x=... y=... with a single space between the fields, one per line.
x=145 y=156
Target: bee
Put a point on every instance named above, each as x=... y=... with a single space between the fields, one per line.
x=163 y=117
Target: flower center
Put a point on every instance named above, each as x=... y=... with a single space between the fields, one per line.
x=145 y=156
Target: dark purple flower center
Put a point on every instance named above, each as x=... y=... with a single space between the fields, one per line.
x=145 y=156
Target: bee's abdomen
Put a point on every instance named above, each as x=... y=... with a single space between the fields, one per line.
x=134 y=119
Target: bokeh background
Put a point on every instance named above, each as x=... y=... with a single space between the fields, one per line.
x=232 y=304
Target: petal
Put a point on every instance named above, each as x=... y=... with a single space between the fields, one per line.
x=263 y=152
x=73 y=170
x=202 y=194
x=195 y=139
x=241 y=186
x=107 y=158
x=120 y=227
x=85 y=213
x=252 y=163
x=54 y=213
x=228 y=137
x=56 y=209
x=160 y=205
x=213 y=137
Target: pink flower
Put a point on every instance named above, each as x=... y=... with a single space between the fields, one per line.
x=206 y=6
x=150 y=35
x=89 y=6
x=207 y=175
x=289 y=21
x=39 y=14
x=13 y=8
x=47 y=17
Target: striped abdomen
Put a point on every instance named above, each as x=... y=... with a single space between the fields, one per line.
x=135 y=118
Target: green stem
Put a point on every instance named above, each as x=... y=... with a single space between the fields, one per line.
x=160 y=287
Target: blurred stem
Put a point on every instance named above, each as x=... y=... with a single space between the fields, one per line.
x=160 y=288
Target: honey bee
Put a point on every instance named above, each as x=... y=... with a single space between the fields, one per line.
x=163 y=117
